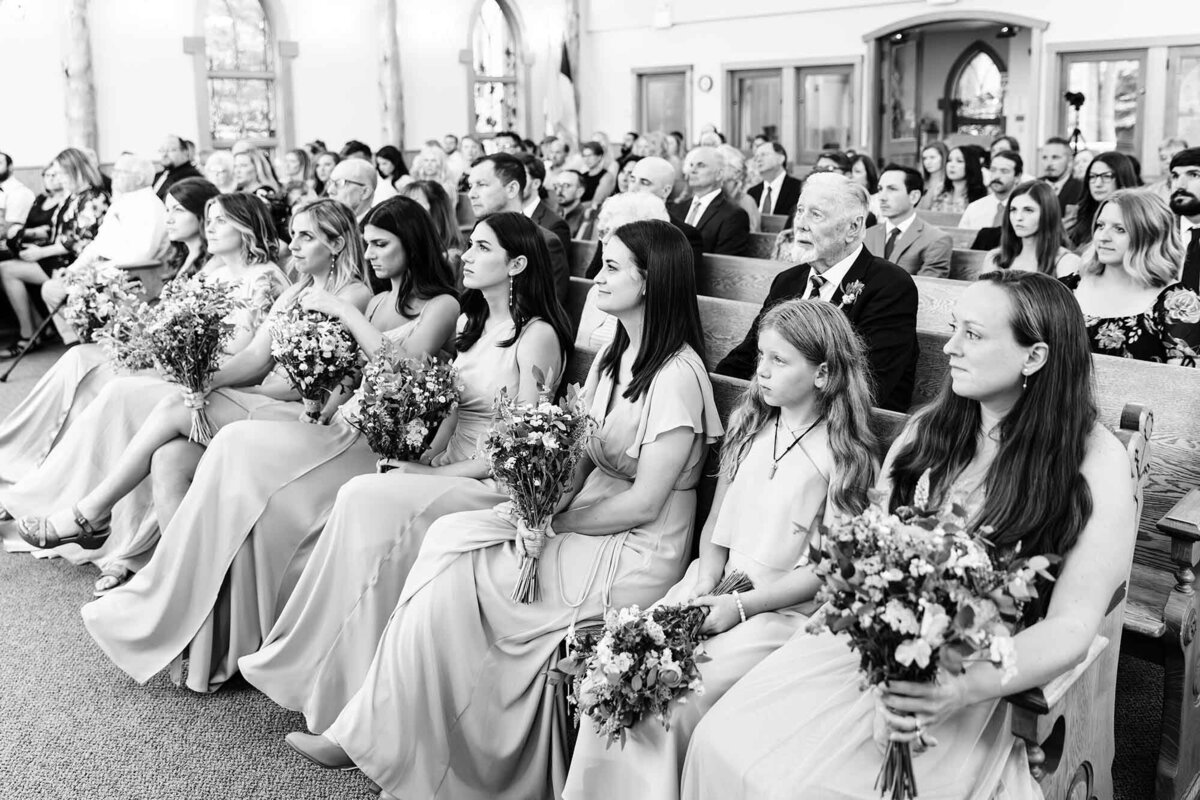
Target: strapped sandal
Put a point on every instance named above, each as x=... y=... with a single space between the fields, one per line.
x=111 y=578
x=38 y=532
x=16 y=348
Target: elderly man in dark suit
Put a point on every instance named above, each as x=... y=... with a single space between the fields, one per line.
x=724 y=227
x=902 y=238
x=175 y=156
x=878 y=297
x=779 y=192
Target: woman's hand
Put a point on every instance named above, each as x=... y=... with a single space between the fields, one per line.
x=31 y=254
x=909 y=709
x=722 y=612
x=440 y=460
x=194 y=400
x=317 y=299
x=531 y=542
x=703 y=585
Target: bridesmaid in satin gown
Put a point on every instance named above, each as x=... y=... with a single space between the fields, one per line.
x=35 y=426
x=799 y=450
x=1014 y=432
x=327 y=251
x=457 y=702
x=265 y=486
x=316 y=655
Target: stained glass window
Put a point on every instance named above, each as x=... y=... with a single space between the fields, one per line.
x=240 y=53
x=977 y=96
x=494 y=70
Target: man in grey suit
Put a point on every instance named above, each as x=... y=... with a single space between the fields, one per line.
x=903 y=239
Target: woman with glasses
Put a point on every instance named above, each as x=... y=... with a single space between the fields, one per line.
x=1107 y=173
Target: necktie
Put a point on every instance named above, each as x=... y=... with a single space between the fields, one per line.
x=890 y=244
x=816 y=282
x=768 y=202
x=694 y=213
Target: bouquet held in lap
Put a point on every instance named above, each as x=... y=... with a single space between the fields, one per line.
x=317 y=352
x=95 y=294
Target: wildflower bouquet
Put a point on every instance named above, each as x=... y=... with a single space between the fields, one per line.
x=124 y=336
x=639 y=663
x=916 y=592
x=94 y=294
x=533 y=450
x=317 y=352
x=399 y=410
x=189 y=334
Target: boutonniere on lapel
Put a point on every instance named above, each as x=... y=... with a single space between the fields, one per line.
x=850 y=293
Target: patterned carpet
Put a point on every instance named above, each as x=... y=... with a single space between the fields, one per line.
x=73 y=726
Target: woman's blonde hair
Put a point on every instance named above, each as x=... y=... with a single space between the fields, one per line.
x=335 y=221
x=822 y=335
x=1155 y=246
x=264 y=173
x=79 y=169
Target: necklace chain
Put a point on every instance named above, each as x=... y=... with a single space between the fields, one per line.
x=775 y=459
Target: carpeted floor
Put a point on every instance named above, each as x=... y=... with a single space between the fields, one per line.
x=73 y=726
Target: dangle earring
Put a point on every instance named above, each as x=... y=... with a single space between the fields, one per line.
x=1025 y=383
x=510 y=293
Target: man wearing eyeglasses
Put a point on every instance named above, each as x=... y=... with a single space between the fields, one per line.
x=352 y=183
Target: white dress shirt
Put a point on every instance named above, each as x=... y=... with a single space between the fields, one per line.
x=705 y=201
x=531 y=206
x=981 y=213
x=833 y=277
x=134 y=229
x=17 y=202
x=903 y=226
x=776 y=186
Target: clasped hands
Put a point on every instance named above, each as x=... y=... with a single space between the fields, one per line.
x=196 y=401
x=529 y=541
x=906 y=710
x=723 y=611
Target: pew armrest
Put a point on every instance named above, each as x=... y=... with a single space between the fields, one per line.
x=1182 y=522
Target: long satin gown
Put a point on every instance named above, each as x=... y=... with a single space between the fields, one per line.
x=315 y=657
x=87 y=450
x=234 y=549
x=765 y=523
x=799 y=725
x=457 y=703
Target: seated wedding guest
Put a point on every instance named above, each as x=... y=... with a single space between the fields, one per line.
x=902 y=238
x=353 y=148
x=534 y=197
x=626 y=173
x=1106 y=173
x=75 y=225
x=42 y=213
x=427 y=719
x=497 y=183
x=297 y=167
x=865 y=173
x=133 y=231
x=322 y=168
x=242 y=553
x=879 y=298
x=1128 y=285
x=218 y=169
x=1185 y=202
x=800 y=724
x=252 y=171
x=16 y=201
x=393 y=172
x=1031 y=234
x=596 y=328
x=240 y=240
x=598 y=182
x=1083 y=158
x=555 y=152
x=430 y=164
x=833 y=161
x=1167 y=151
x=175 y=155
x=471 y=150
x=733 y=184
x=455 y=160
x=724 y=227
x=352 y=183
x=327 y=253
x=315 y=148
x=963 y=184
x=29 y=432
x=933 y=167
x=987 y=211
x=779 y=191
x=431 y=196
x=1004 y=144
x=569 y=190
x=1057 y=162
x=317 y=654
x=508 y=142
x=812 y=382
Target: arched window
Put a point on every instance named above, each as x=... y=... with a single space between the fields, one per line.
x=976 y=92
x=240 y=58
x=495 y=49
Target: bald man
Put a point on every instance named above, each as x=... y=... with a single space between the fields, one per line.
x=724 y=227
x=878 y=297
x=352 y=183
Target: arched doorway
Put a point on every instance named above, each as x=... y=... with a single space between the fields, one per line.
x=975 y=93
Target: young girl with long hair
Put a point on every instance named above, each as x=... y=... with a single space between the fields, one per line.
x=799 y=450
x=1013 y=438
x=1031 y=233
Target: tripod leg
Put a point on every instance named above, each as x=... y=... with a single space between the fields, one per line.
x=47 y=322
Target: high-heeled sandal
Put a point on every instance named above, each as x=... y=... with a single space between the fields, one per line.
x=110 y=578
x=38 y=532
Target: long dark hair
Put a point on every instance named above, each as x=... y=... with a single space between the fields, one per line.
x=393 y=155
x=426 y=273
x=533 y=294
x=441 y=211
x=193 y=194
x=973 y=156
x=871 y=169
x=1125 y=177
x=1050 y=233
x=1036 y=495
x=672 y=319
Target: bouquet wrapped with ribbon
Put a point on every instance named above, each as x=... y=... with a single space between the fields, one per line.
x=316 y=351
x=399 y=410
x=917 y=592
x=639 y=662
x=533 y=450
x=95 y=293
x=188 y=336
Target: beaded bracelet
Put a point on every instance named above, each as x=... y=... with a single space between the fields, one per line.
x=741 y=608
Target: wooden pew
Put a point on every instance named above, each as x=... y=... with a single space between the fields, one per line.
x=762 y=245
x=965 y=265
x=939 y=218
x=963 y=237
x=773 y=223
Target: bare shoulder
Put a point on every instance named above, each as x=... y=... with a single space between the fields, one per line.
x=1105 y=463
x=357 y=293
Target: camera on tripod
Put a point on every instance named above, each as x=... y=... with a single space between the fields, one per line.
x=1074 y=99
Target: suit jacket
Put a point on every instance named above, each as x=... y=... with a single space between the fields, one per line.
x=884 y=314
x=1191 y=262
x=724 y=227
x=174 y=175
x=559 y=265
x=552 y=222
x=575 y=218
x=789 y=196
x=986 y=239
x=1071 y=193
x=693 y=237
x=923 y=249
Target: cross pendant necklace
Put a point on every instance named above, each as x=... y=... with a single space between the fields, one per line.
x=775 y=459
